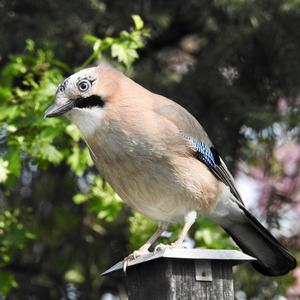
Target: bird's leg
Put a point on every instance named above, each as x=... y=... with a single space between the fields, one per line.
x=145 y=248
x=189 y=219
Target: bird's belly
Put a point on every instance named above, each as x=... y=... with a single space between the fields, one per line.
x=155 y=197
x=160 y=207
x=160 y=191
x=160 y=183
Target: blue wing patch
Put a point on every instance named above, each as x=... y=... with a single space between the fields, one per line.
x=206 y=154
x=211 y=158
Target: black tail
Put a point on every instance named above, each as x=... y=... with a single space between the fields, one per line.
x=254 y=239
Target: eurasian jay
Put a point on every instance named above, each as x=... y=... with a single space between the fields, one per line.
x=160 y=161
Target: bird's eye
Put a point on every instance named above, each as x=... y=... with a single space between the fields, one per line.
x=61 y=88
x=84 y=85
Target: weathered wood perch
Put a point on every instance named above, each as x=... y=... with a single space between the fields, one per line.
x=177 y=273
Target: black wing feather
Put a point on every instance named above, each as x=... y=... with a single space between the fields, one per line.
x=223 y=174
x=211 y=158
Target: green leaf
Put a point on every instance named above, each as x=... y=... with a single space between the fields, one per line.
x=50 y=153
x=5 y=94
x=91 y=39
x=7 y=281
x=9 y=112
x=14 y=162
x=124 y=53
x=140 y=228
x=3 y=170
x=97 y=45
x=79 y=160
x=73 y=132
x=29 y=235
x=74 y=275
x=80 y=198
x=118 y=51
x=30 y=45
x=123 y=47
x=138 y=22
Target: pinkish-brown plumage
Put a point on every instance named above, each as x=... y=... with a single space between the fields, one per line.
x=143 y=155
x=160 y=161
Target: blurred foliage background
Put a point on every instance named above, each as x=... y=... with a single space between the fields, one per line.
x=235 y=64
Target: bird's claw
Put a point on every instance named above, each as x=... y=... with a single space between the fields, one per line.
x=125 y=264
x=161 y=247
x=132 y=256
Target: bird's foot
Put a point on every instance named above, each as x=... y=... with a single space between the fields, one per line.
x=175 y=244
x=137 y=253
x=134 y=255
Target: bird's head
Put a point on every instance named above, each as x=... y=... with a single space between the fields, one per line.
x=79 y=91
x=84 y=97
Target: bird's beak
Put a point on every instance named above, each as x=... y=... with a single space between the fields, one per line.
x=58 y=109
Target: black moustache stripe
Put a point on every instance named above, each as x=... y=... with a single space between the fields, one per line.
x=92 y=101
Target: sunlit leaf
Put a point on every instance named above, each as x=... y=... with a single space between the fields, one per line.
x=14 y=161
x=50 y=153
x=74 y=275
x=80 y=198
x=7 y=281
x=3 y=170
x=138 y=22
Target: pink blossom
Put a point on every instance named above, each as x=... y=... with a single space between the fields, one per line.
x=284 y=185
x=283 y=179
x=282 y=104
x=289 y=156
x=294 y=290
x=256 y=172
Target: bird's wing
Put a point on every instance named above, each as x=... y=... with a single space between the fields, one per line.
x=182 y=119
x=210 y=157
x=193 y=132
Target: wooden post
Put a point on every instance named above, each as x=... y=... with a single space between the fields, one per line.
x=176 y=273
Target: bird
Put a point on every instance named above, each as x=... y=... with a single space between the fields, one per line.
x=161 y=162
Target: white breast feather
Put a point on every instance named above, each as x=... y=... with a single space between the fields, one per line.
x=87 y=119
